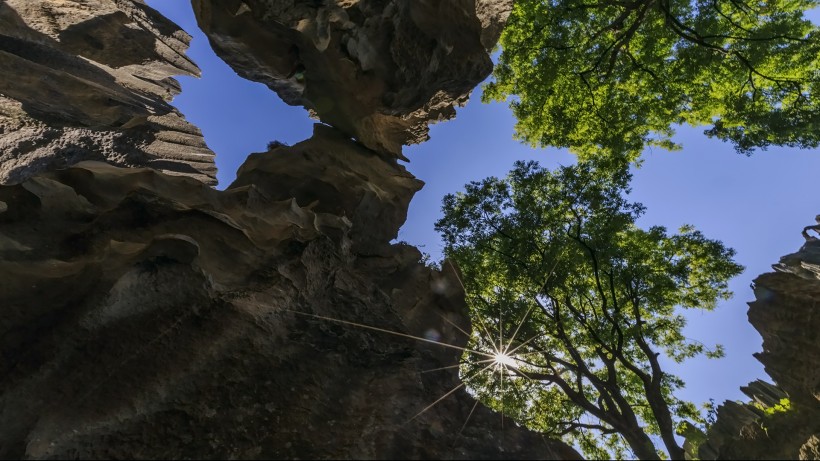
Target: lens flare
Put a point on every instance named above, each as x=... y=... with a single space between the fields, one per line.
x=494 y=352
x=503 y=360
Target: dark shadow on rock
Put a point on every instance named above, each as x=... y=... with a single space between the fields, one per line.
x=107 y=40
x=61 y=88
x=152 y=316
x=12 y=24
x=57 y=107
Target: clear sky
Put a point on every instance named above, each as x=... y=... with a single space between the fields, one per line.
x=757 y=205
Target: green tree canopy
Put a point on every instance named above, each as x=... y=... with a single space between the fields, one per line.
x=581 y=302
x=604 y=76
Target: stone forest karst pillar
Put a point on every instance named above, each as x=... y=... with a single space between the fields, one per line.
x=144 y=314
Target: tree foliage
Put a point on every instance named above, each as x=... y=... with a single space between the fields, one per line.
x=604 y=76
x=583 y=301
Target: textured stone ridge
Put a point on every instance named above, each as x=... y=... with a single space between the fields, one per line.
x=146 y=315
x=378 y=70
x=175 y=321
x=91 y=80
x=746 y=431
x=786 y=315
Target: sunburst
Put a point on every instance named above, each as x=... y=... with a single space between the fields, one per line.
x=501 y=359
x=493 y=353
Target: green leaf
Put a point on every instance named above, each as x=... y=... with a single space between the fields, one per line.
x=560 y=278
x=611 y=77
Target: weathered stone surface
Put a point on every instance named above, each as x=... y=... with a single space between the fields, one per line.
x=810 y=449
x=785 y=313
x=746 y=431
x=374 y=199
x=144 y=315
x=379 y=71
x=493 y=15
x=150 y=316
x=91 y=80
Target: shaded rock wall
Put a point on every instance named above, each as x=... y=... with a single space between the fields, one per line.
x=379 y=71
x=759 y=429
x=175 y=321
x=91 y=80
x=145 y=315
x=786 y=315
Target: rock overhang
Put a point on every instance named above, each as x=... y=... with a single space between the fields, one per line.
x=92 y=81
x=379 y=71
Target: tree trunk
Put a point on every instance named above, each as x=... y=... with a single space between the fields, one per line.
x=664 y=419
x=641 y=445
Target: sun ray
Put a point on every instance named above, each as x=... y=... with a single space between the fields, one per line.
x=491 y=360
x=503 y=359
x=468 y=418
x=501 y=374
x=453 y=324
x=497 y=355
x=487 y=333
x=515 y=349
x=500 y=333
x=437 y=401
x=455 y=366
x=506 y=350
x=462 y=384
x=449 y=367
x=458 y=277
x=480 y=321
x=383 y=330
x=538 y=351
x=500 y=367
x=518 y=328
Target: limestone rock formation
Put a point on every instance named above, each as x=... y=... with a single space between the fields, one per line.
x=146 y=315
x=150 y=316
x=785 y=313
x=761 y=429
x=91 y=80
x=378 y=70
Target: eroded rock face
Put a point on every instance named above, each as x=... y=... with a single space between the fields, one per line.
x=785 y=313
x=377 y=70
x=144 y=315
x=761 y=429
x=175 y=321
x=91 y=80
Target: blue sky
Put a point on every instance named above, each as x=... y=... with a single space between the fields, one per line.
x=757 y=205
